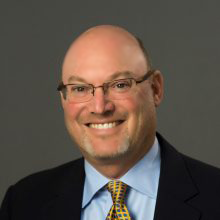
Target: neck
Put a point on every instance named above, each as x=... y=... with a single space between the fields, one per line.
x=114 y=168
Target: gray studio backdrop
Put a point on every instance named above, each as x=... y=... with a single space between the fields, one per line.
x=183 y=38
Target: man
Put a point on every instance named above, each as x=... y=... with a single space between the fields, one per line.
x=109 y=94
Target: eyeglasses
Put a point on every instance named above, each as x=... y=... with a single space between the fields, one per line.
x=115 y=90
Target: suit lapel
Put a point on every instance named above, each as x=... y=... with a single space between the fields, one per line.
x=176 y=187
x=66 y=201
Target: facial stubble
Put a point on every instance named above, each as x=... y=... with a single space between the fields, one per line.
x=121 y=150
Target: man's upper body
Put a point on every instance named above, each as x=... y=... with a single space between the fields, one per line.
x=109 y=95
x=188 y=189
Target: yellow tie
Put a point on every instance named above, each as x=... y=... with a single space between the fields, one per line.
x=118 y=209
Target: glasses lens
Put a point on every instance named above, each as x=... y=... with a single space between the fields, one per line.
x=78 y=92
x=120 y=89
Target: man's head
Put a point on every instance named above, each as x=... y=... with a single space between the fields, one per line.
x=113 y=125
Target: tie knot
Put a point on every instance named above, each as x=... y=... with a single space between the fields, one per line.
x=117 y=190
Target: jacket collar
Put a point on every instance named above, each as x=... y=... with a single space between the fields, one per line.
x=176 y=187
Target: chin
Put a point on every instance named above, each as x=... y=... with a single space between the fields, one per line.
x=96 y=150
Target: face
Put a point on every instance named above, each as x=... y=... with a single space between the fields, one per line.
x=104 y=129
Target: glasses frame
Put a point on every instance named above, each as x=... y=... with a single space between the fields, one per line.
x=104 y=86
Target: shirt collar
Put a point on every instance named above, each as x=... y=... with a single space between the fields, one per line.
x=149 y=165
x=94 y=181
x=146 y=184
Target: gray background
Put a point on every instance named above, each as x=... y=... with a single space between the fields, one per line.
x=183 y=40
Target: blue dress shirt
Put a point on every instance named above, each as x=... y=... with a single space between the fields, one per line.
x=142 y=179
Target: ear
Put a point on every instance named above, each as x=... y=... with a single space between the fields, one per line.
x=157 y=87
x=63 y=101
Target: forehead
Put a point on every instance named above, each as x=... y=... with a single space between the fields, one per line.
x=104 y=56
x=114 y=76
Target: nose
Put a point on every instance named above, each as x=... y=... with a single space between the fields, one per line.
x=100 y=103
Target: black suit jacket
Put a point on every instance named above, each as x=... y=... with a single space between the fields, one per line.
x=188 y=190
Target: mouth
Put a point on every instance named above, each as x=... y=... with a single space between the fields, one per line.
x=106 y=125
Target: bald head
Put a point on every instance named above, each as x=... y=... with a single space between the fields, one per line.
x=105 y=40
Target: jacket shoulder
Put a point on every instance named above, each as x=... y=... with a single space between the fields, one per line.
x=42 y=185
x=205 y=174
x=52 y=175
x=32 y=193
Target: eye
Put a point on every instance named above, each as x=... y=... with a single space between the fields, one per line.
x=78 y=89
x=121 y=85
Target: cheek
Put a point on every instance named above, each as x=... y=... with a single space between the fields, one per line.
x=72 y=110
x=140 y=109
x=72 y=117
x=134 y=109
x=72 y=114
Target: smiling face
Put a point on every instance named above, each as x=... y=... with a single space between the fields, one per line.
x=110 y=130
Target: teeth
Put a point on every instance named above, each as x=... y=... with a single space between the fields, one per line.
x=103 y=126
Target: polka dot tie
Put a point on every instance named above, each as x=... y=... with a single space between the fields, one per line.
x=118 y=209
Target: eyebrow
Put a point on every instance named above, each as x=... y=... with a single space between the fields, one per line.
x=76 y=78
x=114 y=76
x=119 y=74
